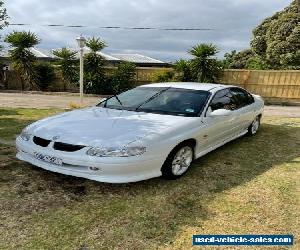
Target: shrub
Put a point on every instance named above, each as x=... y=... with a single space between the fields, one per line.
x=164 y=76
x=123 y=77
x=45 y=74
x=256 y=63
x=183 y=71
x=74 y=105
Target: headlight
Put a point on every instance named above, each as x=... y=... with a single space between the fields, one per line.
x=116 y=152
x=25 y=135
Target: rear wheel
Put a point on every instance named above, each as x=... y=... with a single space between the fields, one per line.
x=178 y=161
x=253 y=128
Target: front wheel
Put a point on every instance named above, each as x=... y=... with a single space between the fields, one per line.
x=178 y=161
x=253 y=128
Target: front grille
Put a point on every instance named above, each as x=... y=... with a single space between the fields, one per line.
x=40 y=141
x=67 y=147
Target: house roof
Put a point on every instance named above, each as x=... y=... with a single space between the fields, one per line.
x=39 y=53
x=135 y=58
x=108 y=57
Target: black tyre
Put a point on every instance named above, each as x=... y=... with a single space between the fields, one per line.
x=178 y=161
x=253 y=128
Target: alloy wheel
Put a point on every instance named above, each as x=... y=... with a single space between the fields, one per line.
x=182 y=160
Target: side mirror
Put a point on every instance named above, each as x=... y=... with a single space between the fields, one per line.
x=220 y=112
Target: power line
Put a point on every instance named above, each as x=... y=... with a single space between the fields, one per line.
x=113 y=27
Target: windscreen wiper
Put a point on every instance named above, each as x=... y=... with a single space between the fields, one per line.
x=151 y=98
x=118 y=100
x=114 y=95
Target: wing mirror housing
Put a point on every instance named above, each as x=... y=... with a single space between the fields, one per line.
x=220 y=112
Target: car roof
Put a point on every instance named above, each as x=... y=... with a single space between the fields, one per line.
x=189 y=85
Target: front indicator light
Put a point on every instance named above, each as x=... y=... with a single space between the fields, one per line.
x=25 y=135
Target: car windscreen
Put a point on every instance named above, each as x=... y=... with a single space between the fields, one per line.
x=172 y=101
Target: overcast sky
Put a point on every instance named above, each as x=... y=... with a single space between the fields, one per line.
x=231 y=21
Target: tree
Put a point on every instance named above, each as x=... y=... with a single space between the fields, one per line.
x=228 y=59
x=94 y=71
x=3 y=15
x=238 y=60
x=22 y=58
x=3 y=23
x=275 y=43
x=204 y=65
x=245 y=59
x=277 y=39
x=68 y=64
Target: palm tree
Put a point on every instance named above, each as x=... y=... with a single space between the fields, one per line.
x=68 y=63
x=95 y=44
x=22 y=58
x=205 y=67
x=93 y=66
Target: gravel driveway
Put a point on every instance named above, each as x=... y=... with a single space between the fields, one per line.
x=34 y=100
x=63 y=100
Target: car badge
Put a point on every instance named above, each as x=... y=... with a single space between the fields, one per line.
x=54 y=138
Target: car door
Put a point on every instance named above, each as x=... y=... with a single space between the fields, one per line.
x=218 y=129
x=244 y=108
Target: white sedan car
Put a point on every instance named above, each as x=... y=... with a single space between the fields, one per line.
x=149 y=131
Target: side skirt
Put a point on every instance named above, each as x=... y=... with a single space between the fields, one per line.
x=204 y=152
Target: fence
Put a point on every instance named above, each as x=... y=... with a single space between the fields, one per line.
x=11 y=80
x=273 y=85
x=143 y=75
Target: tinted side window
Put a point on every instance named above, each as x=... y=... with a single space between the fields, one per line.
x=241 y=97
x=223 y=99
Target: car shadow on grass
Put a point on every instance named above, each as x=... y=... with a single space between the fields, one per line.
x=155 y=209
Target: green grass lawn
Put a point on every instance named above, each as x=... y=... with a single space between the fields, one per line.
x=249 y=186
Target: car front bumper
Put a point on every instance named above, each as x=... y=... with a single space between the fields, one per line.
x=102 y=169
